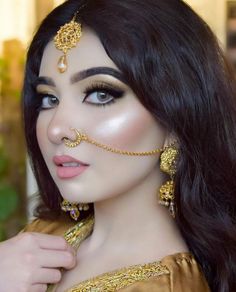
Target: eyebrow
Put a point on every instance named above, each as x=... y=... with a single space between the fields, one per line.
x=79 y=76
x=44 y=80
x=96 y=71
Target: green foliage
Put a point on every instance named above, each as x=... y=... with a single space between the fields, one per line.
x=9 y=198
x=10 y=214
x=2 y=233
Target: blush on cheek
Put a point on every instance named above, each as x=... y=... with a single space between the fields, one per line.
x=127 y=130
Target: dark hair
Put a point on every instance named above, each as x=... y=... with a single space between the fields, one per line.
x=173 y=63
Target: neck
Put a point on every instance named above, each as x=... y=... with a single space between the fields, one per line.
x=135 y=218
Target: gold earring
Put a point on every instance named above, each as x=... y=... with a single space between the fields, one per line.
x=168 y=165
x=67 y=38
x=73 y=208
x=83 y=207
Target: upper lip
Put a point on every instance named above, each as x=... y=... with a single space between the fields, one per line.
x=59 y=160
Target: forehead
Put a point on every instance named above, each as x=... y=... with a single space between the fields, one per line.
x=88 y=53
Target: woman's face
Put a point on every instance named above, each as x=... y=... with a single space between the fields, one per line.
x=92 y=97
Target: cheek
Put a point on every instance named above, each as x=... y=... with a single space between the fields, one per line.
x=127 y=128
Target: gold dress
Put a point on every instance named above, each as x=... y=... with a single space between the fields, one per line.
x=174 y=273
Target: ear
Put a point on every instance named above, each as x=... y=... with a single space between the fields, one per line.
x=170 y=140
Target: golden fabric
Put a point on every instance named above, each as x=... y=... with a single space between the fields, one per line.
x=175 y=273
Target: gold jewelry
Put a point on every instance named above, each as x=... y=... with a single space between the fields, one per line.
x=73 y=208
x=168 y=165
x=76 y=234
x=83 y=207
x=111 y=281
x=82 y=137
x=67 y=38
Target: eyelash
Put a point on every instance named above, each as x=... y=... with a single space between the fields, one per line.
x=39 y=97
x=114 y=92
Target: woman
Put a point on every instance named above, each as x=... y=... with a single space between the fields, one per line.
x=170 y=93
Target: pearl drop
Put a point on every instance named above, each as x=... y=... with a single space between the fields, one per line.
x=62 y=64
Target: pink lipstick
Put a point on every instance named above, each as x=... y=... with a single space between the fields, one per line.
x=69 y=167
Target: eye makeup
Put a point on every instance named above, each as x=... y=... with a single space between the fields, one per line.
x=105 y=93
x=47 y=101
x=98 y=93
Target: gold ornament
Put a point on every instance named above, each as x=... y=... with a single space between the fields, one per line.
x=83 y=207
x=111 y=281
x=73 y=208
x=67 y=38
x=78 y=139
x=168 y=165
x=82 y=137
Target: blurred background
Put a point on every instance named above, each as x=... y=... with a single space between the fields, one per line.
x=18 y=21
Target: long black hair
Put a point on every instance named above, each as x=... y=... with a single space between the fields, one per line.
x=173 y=63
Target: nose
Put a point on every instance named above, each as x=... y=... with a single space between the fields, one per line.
x=60 y=125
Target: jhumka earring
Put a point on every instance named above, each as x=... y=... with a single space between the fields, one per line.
x=73 y=208
x=168 y=165
x=67 y=38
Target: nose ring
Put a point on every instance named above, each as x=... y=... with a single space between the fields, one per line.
x=78 y=139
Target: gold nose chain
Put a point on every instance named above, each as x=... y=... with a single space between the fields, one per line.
x=84 y=138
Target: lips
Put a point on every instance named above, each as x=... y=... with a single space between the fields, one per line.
x=69 y=167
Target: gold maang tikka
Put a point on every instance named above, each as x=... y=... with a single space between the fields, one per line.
x=168 y=160
x=82 y=137
x=67 y=38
